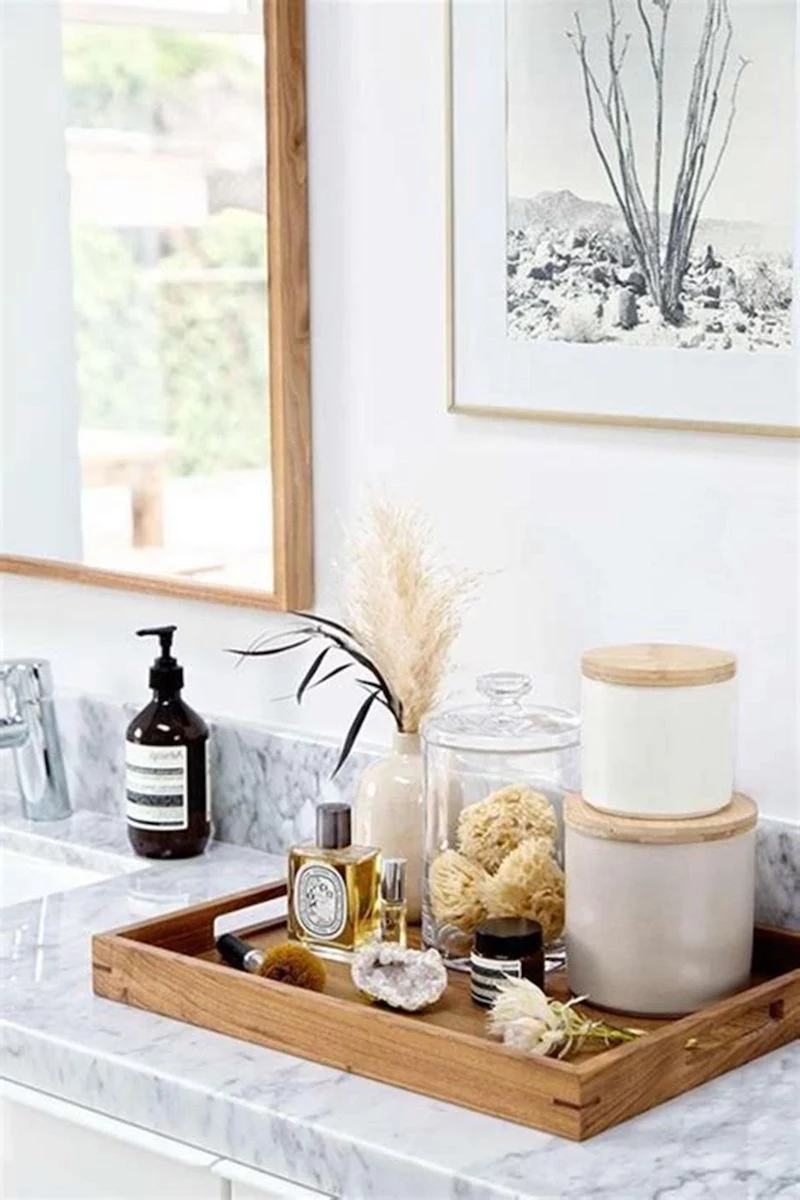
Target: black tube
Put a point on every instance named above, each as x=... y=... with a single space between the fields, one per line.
x=239 y=953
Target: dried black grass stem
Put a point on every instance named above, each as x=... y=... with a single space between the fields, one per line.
x=340 y=641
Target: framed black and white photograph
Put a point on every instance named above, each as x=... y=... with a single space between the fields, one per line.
x=624 y=211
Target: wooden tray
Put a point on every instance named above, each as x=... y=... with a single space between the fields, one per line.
x=169 y=965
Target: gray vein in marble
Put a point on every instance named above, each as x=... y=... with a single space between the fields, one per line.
x=265 y=783
x=93 y=742
x=778 y=874
x=737 y=1137
x=87 y=839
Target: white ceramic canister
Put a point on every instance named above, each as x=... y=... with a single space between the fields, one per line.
x=659 y=914
x=659 y=728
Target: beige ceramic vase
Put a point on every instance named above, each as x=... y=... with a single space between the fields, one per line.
x=387 y=811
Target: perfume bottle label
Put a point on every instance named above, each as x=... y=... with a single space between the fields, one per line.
x=320 y=900
x=156 y=786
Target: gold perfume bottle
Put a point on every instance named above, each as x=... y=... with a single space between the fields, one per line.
x=394 y=909
x=334 y=904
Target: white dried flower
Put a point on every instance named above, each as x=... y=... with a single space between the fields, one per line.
x=526 y=1020
x=517 y=998
x=531 y=1036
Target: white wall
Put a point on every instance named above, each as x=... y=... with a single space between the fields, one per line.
x=588 y=535
x=40 y=460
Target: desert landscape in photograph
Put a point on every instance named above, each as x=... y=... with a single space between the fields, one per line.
x=573 y=275
x=650 y=190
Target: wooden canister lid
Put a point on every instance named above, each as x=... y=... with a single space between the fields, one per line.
x=653 y=665
x=737 y=817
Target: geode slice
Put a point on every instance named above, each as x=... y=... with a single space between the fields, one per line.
x=407 y=979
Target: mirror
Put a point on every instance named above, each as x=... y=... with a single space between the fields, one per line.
x=157 y=436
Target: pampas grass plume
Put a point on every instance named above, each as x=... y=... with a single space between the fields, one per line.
x=404 y=604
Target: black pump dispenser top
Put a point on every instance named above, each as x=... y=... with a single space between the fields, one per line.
x=166 y=674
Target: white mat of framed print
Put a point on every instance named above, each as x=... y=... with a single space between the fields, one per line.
x=594 y=277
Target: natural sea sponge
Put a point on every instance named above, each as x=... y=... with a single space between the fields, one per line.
x=529 y=884
x=295 y=965
x=489 y=830
x=457 y=889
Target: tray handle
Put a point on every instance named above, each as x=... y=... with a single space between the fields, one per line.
x=728 y=1038
x=191 y=930
x=247 y=899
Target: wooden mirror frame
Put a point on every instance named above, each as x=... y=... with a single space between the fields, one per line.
x=289 y=390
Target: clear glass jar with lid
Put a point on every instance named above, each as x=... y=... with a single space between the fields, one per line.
x=494 y=777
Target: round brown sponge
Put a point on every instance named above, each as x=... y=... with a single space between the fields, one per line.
x=457 y=891
x=489 y=830
x=529 y=884
x=294 y=964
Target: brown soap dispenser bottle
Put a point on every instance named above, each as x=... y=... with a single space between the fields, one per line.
x=167 y=792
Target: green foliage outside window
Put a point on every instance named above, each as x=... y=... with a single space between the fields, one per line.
x=127 y=78
x=158 y=352
x=183 y=358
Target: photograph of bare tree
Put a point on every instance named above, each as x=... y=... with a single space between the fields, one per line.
x=651 y=172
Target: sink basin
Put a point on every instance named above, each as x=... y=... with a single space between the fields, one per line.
x=23 y=877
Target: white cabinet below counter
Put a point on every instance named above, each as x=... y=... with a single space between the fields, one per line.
x=51 y=1149
x=249 y=1184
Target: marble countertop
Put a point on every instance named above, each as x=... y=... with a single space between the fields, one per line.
x=737 y=1137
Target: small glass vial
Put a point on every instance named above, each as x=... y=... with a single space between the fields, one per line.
x=333 y=888
x=505 y=948
x=394 y=909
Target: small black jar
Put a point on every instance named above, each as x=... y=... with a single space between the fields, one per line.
x=505 y=948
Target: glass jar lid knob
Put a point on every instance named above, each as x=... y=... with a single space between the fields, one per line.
x=505 y=687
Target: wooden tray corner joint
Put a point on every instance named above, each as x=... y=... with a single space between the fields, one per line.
x=168 y=965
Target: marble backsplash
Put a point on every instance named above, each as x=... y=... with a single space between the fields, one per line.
x=266 y=784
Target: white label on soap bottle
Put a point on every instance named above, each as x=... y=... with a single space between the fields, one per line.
x=156 y=786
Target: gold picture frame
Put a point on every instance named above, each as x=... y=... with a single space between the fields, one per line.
x=544 y=415
x=289 y=391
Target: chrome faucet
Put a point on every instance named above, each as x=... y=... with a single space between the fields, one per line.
x=30 y=730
